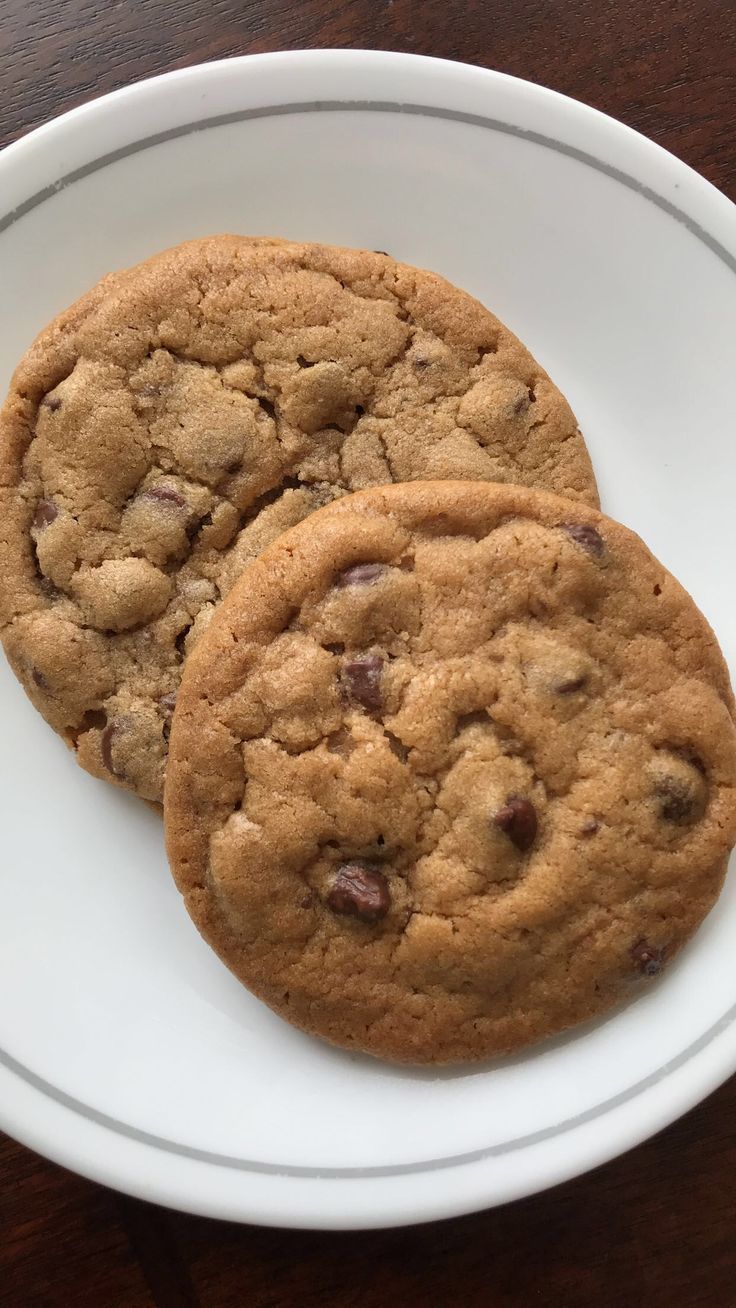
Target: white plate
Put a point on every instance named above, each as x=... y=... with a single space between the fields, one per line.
x=128 y=1052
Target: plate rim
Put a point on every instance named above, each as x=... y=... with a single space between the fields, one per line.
x=578 y=118
x=31 y=153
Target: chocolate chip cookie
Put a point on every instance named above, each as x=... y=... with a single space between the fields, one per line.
x=174 y=421
x=453 y=768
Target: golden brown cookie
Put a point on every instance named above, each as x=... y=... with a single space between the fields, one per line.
x=452 y=769
x=164 y=429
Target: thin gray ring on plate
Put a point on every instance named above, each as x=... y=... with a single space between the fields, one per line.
x=374 y=106
x=356 y=1173
x=590 y=1114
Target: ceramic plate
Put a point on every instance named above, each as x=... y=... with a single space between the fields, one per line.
x=127 y=1051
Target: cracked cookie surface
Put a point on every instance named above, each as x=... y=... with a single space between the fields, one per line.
x=170 y=424
x=451 y=770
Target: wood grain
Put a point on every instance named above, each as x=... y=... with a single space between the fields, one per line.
x=61 y=1240
x=654 y=1228
x=665 y=68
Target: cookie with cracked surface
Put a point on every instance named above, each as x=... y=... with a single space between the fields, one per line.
x=174 y=421
x=452 y=769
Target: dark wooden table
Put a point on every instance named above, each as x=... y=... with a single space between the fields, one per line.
x=655 y=1228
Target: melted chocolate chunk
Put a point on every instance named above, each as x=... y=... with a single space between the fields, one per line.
x=647 y=958
x=359 y=891
x=361 y=678
x=360 y=575
x=590 y=539
x=46 y=513
x=518 y=818
x=571 y=685
x=677 y=801
x=106 y=748
x=166 y=494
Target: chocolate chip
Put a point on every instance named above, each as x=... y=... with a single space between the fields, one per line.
x=522 y=404
x=39 y=679
x=149 y=391
x=360 y=575
x=307 y=901
x=106 y=748
x=518 y=818
x=679 y=784
x=677 y=801
x=165 y=493
x=572 y=685
x=388 y=256
x=52 y=403
x=359 y=891
x=46 y=513
x=361 y=678
x=590 y=539
x=648 y=960
x=420 y=363
x=590 y=826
